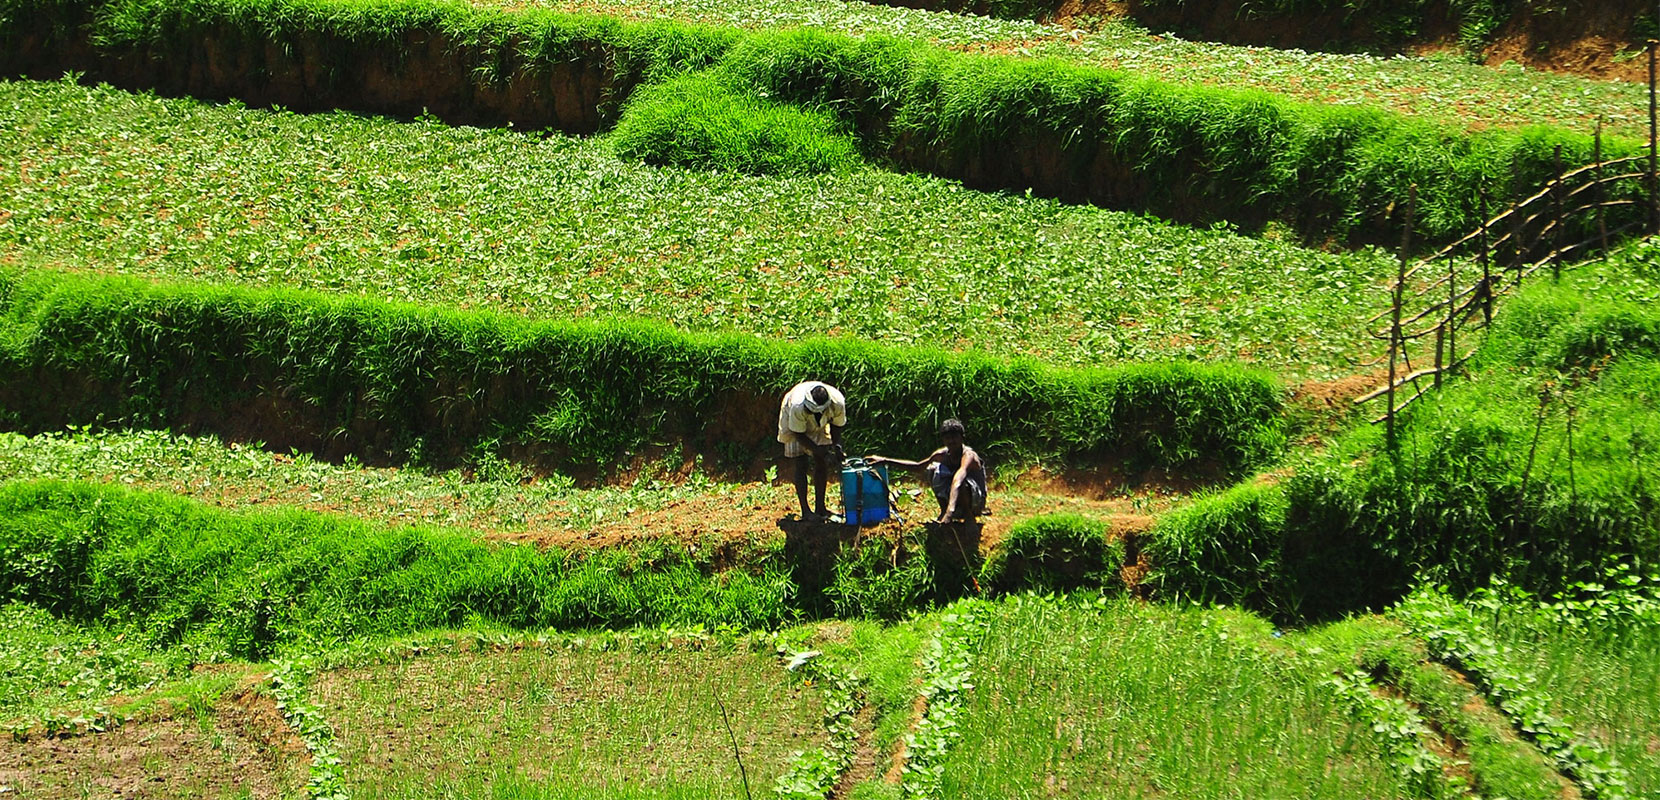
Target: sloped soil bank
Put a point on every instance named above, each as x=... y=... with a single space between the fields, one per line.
x=729 y=532
x=1594 y=38
x=424 y=73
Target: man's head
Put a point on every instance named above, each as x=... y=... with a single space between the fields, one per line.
x=818 y=399
x=952 y=432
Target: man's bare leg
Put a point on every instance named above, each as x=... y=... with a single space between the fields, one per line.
x=801 y=485
x=821 y=468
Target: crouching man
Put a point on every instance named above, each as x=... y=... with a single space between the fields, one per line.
x=956 y=472
x=810 y=422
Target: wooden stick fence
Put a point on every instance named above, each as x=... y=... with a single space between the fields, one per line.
x=1508 y=249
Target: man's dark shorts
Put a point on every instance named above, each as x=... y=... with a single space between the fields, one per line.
x=971 y=499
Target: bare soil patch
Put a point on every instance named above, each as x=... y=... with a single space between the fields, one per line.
x=760 y=513
x=865 y=757
x=243 y=750
x=1594 y=39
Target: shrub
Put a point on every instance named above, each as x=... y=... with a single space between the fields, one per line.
x=696 y=121
x=1055 y=553
x=1223 y=547
x=874 y=577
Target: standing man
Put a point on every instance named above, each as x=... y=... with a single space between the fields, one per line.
x=810 y=422
x=956 y=473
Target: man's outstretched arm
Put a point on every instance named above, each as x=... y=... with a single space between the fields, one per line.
x=900 y=462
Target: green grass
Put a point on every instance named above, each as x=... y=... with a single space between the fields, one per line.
x=493 y=496
x=695 y=121
x=1137 y=700
x=558 y=721
x=1442 y=87
x=1054 y=553
x=48 y=664
x=560 y=227
x=1601 y=680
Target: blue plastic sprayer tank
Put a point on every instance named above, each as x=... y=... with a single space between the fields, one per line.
x=864 y=492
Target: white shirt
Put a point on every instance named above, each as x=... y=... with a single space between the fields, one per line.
x=795 y=417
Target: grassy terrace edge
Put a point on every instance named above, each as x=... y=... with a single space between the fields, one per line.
x=245 y=584
x=1079 y=133
x=390 y=382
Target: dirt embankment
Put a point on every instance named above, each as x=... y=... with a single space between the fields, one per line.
x=1595 y=38
x=1598 y=38
x=427 y=73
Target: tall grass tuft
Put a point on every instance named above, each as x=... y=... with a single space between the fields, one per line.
x=696 y=121
x=1054 y=553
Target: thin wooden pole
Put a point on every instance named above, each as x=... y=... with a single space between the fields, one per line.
x=1486 y=265
x=1556 y=217
x=1395 y=342
x=1516 y=220
x=1394 y=355
x=1452 y=318
x=1440 y=348
x=1601 y=193
x=1653 y=136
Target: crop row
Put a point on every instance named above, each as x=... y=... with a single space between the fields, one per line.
x=1455 y=633
x=1080 y=133
x=561 y=227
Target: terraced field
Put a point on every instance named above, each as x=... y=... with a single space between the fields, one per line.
x=553 y=225
x=562 y=723
x=1446 y=87
x=346 y=455
x=1602 y=679
x=1153 y=701
x=670 y=500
